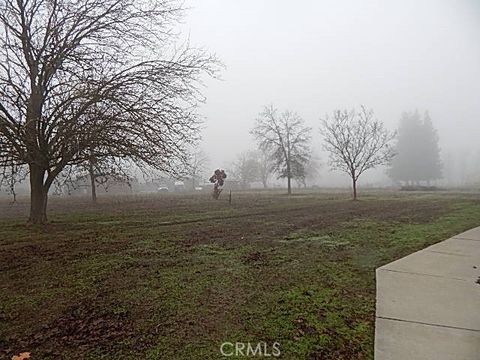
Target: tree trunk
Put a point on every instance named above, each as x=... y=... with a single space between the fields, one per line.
x=289 y=176
x=354 y=183
x=91 y=172
x=38 y=196
x=264 y=182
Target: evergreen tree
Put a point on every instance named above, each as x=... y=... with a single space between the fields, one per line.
x=432 y=165
x=417 y=149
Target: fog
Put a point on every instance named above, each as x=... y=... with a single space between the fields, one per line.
x=315 y=56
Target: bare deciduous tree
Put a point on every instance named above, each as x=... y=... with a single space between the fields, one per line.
x=102 y=72
x=286 y=138
x=356 y=142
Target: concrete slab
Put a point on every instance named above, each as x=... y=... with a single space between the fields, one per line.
x=428 y=303
x=428 y=299
x=472 y=234
x=438 y=264
x=400 y=340
x=456 y=246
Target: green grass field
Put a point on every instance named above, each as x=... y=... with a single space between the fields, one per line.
x=175 y=276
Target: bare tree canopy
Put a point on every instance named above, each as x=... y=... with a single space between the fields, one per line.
x=286 y=138
x=94 y=78
x=356 y=142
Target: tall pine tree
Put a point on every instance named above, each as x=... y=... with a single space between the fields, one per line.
x=432 y=164
x=418 y=152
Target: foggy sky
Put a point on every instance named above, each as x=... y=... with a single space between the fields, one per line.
x=316 y=56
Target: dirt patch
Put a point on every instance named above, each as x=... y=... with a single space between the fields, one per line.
x=255 y=258
x=322 y=216
x=82 y=327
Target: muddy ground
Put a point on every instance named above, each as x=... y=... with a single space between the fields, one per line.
x=174 y=276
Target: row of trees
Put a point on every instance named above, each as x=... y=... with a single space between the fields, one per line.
x=93 y=83
x=355 y=140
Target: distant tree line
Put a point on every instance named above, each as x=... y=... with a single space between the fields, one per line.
x=355 y=140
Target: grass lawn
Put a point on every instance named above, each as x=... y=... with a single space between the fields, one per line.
x=175 y=276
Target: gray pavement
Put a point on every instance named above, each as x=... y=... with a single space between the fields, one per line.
x=428 y=303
